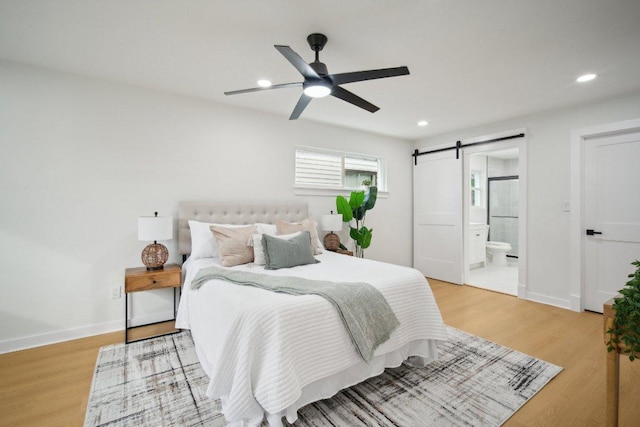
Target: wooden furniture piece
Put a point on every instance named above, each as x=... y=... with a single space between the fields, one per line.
x=613 y=366
x=344 y=252
x=140 y=279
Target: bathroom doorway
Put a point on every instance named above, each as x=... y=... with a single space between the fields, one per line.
x=493 y=240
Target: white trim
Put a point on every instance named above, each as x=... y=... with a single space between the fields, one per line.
x=62 y=335
x=545 y=299
x=521 y=144
x=150 y=318
x=576 y=149
x=331 y=192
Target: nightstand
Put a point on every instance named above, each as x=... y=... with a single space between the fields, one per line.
x=140 y=279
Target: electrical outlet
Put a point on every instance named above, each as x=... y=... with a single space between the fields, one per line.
x=116 y=292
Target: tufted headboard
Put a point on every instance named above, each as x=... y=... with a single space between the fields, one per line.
x=234 y=213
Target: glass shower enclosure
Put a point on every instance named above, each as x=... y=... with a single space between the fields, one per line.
x=502 y=211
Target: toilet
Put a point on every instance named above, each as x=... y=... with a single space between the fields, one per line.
x=497 y=252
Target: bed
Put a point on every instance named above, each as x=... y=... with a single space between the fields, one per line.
x=268 y=354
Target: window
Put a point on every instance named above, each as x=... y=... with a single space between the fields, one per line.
x=325 y=169
x=476 y=189
x=360 y=172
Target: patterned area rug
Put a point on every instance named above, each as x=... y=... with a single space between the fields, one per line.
x=476 y=383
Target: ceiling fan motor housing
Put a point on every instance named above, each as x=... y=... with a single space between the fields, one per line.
x=317 y=41
x=319 y=67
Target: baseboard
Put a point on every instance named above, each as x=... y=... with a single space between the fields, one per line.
x=544 y=299
x=522 y=291
x=150 y=318
x=23 y=343
x=31 y=341
x=576 y=303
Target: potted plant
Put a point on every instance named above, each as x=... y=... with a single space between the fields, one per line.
x=356 y=209
x=625 y=333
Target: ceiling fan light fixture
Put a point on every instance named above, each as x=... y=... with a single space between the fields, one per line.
x=586 y=78
x=319 y=90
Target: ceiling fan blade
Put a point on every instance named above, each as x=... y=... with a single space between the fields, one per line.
x=256 y=89
x=295 y=60
x=358 y=76
x=300 y=106
x=352 y=98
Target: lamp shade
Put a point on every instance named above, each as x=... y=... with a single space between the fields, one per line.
x=155 y=228
x=331 y=222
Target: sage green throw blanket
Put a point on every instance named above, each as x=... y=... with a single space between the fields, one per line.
x=364 y=311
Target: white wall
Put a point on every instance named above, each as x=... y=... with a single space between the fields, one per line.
x=81 y=159
x=548 y=138
x=502 y=167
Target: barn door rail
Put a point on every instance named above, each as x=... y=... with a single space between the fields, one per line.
x=460 y=145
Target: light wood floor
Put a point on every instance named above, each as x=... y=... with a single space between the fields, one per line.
x=49 y=386
x=574 y=341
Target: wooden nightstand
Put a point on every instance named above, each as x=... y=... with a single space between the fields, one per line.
x=140 y=279
x=343 y=252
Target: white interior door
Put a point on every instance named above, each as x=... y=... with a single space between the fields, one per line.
x=437 y=216
x=612 y=208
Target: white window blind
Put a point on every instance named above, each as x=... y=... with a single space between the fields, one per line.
x=318 y=169
x=358 y=164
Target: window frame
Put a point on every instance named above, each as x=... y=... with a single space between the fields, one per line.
x=477 y=189
x=310 y=189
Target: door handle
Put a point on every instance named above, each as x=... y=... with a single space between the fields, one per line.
x=590 y=232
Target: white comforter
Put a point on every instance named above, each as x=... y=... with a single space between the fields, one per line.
x=268 y=354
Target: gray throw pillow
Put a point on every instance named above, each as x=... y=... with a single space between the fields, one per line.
x=280 y=253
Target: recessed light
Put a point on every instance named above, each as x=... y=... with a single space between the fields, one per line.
x=586 y=78
x=264 y=83
x=423 y=123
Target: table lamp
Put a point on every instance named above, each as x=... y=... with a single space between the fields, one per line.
x=155 y=228
x=331 y=223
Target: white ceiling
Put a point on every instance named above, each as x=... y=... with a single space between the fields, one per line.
x=472 y=62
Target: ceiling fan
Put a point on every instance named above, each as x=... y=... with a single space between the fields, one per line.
x=319 y=83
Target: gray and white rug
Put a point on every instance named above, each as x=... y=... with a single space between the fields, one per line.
x=159 y=382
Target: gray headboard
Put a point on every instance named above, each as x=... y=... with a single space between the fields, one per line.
x=234 y=213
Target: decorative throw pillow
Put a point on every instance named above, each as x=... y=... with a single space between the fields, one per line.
x=306 y=224
x=258 y=250
x=232 y=244
x=203 y=244
x=280 y=253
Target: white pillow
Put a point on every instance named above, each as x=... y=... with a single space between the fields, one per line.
x=203 y=244
x=269 y=229
x=258 y=250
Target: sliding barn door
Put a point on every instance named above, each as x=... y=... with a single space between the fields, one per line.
x=437 y=216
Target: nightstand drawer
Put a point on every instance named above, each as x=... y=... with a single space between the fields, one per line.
x=139 y=279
